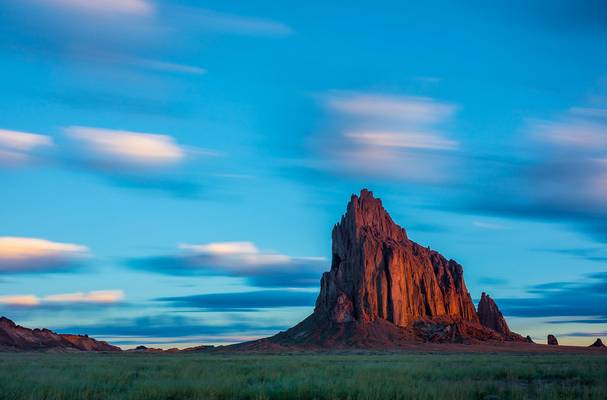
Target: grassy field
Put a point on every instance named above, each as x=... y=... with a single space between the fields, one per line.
x=330 y=376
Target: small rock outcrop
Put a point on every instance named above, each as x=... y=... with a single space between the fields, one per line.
x=552 y=340
x=597 y=343
x=490 y=315
x=529 y=340
x=17 y=338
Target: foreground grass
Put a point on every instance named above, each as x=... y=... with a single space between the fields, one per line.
x=329 y=376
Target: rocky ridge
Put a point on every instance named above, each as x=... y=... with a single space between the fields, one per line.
x=14 y=337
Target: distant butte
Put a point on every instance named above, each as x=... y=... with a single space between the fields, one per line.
x=384 y=290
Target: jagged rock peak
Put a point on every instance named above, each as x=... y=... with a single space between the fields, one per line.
x=597 y=343
x=490 y=315
x=365 y=213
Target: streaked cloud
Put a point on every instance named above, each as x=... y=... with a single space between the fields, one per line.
x=584 y=298
x=238 y=259
x=411 y=109
x=22 y=254
x=94 y=297
x=403 y=140
x=173 y=326
x=244 y=301
x=25 y=300
x=133 y=7
x=384 y=136
x=488 y=225
x=211 y=20
x=563 y=175
x=18 y=148
x=126 y=147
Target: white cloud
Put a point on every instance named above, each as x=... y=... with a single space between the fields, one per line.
x=21 y=254
x=129 y=7
x=236 y=255
x=93 y=297
x=17 y=147
x=418 y=110
x=126 y=147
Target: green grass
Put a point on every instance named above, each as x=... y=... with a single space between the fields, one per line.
x=312 y=376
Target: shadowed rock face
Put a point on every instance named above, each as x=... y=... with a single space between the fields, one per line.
x=378 y=273
x=597 y=343
x=15 y=337
x=490 y=315
x=552 y=340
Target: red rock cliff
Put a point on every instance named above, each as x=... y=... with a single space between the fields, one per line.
x=378 y=273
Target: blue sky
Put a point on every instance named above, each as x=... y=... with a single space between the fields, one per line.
x=172 y=169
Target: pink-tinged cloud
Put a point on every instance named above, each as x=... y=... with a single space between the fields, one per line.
x=95 y=297
x=126 y=147
x=21 y=254
x=17 y=148
x=26 y=300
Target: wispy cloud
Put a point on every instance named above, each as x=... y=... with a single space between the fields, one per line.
x=18 y=148
x=136 y=34
x=488 y=225
x=567 y=152
x=410 y=109
x=132 y=7
x=22 y=255
x=384 y=136
x=238 y=259
x=211 y=20
x=94 y=297
x=244 y=301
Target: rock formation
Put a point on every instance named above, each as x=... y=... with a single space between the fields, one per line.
x=377 y=273
x=490 y=315
x=529 y=340
x=552 y=340
x=17 y=338
x=384 y=290
x=597 y=343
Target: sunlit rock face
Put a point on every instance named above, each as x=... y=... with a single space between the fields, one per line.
x=378 y=273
